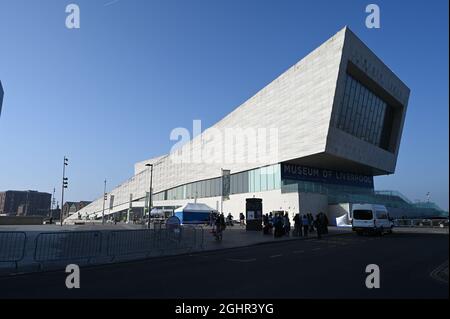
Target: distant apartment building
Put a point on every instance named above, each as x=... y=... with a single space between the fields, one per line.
x=69 y=208
x=24 y=203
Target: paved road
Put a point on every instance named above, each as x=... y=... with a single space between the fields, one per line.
x=327 y=268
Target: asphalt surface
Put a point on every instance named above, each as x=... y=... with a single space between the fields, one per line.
x=411 y=266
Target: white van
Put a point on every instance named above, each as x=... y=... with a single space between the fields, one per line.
x=369 y=218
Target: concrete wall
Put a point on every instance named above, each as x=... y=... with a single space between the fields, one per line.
x=298 y=104
x=21 y=220
x=337 y=210
x=313 y=203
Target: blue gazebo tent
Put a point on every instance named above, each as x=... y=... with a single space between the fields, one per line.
x=193 y=213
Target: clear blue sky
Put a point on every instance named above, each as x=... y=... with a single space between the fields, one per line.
x=108 y=95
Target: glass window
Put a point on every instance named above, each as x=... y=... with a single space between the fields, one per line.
x=277 y=176
x=361 y=214
x=348 y=108
x=245 y=176
x=362 y=113
x=195 y=191
x=354 y=109
x=239 y=183
x=251 y=181
x=202 y=189
x=363 y=127
x=270 y=178
x=208 y=188
x=263 y=178
x=381 y=215
x=257 y=180
x=233 y=184
x=189 y=191
x=216 y=184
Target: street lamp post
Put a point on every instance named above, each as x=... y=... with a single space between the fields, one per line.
x=64 y=186
x=52 y=204
x=104 y=200
x=150 y=203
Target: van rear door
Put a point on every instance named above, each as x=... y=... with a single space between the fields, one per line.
x=362 y=218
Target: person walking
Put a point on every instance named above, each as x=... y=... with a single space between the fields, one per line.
x=266 y=229
x=241 y=219
x=297 y=225
x=300 y=226
x=325 y=223
x=211 y=219
x=271 y=221
x=310 y=222
x=305 y=222
x=278 y=224
x=219 y=226
x=318 y=225
x=223 y=224
x=230 y=219
x=286 y=224
x=275 y=225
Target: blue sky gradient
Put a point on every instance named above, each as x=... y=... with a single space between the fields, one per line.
x=109 y=94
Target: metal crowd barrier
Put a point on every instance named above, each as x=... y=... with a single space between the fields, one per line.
x=12 y=246
x=78 y=246
x=67 y=246
x=128 y=242
x=196 y=235
x=159 y=240
x=441 y=223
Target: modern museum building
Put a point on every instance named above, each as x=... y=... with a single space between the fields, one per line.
x=310 y=141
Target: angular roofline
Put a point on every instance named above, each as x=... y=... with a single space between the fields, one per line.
x=348 y=30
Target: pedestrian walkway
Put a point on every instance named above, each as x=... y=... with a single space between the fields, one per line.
x=237 y=236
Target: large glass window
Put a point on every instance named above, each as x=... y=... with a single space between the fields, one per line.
x=251 y=181
x=362 y=113
x=219 y=186
x=270 y=176
x=239 y=185
x=256 y=180
x=277 y=176
x=263 y=178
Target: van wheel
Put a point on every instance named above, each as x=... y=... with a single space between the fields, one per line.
x=381 y=232
x=359 y=233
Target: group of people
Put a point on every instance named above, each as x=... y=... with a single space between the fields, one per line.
x=229 y=220
x=306 y=223
x=280 y=225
